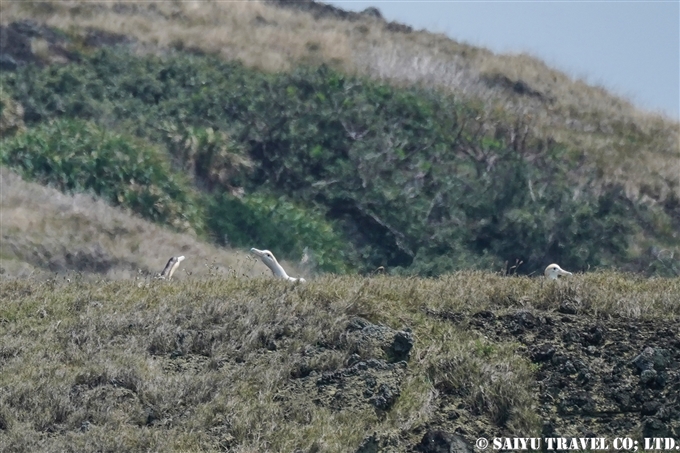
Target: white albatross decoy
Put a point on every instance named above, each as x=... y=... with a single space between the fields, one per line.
x=171 y=267
x=553 y=271
x=269 y=260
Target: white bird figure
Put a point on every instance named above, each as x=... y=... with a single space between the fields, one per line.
x=553 y=271
x=269 y=260
x=171 y=267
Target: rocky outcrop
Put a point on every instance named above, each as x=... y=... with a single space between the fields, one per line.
x=597 y=376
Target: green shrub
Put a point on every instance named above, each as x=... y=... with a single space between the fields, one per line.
x=211 y=157
x=279 y=225
x=77 y=156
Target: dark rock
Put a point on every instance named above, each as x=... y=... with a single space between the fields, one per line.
x=652 y=358
x=666 y=414
x=526 y=319
x=568 y=307
x=401 y=346
x=376 y=364
x=353 y=359
x=327 y=377
x=385 y=397
x=379 y=342
x=484 y=315
x=559 y=359
x=357 y=324
x=650 y=407
x=576 y=403
x=594 y=336
x=571 y=336
x=592 y=350
x=542 y=353
x=653 y=427
x=605 y=377
x=569 y=367
x=584 y=377
x=370 y=382
x=369 y=445
x=623 y=399
x=443 y=442
x=652 y=379
x=548 y=429
x=151 y=416
x=448 y=315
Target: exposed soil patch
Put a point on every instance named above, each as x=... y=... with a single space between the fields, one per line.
x=518 y=87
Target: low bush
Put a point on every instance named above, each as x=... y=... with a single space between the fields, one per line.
x=75 y=156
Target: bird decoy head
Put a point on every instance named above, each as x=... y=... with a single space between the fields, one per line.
x=269 y=260
x=554 y=271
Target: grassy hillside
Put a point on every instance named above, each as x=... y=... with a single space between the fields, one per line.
x=361 y=173
x=138 y=131
x=339 y=364
x=627 y=146
x=44 y=231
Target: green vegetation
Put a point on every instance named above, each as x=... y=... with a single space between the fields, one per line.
x=280 y=222
x=371 y=175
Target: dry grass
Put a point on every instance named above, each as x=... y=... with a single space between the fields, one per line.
x=207 y=363
x=45 y=230
x=211 y=364
x=598 y=293
x=628 y=145
x=256 y=33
